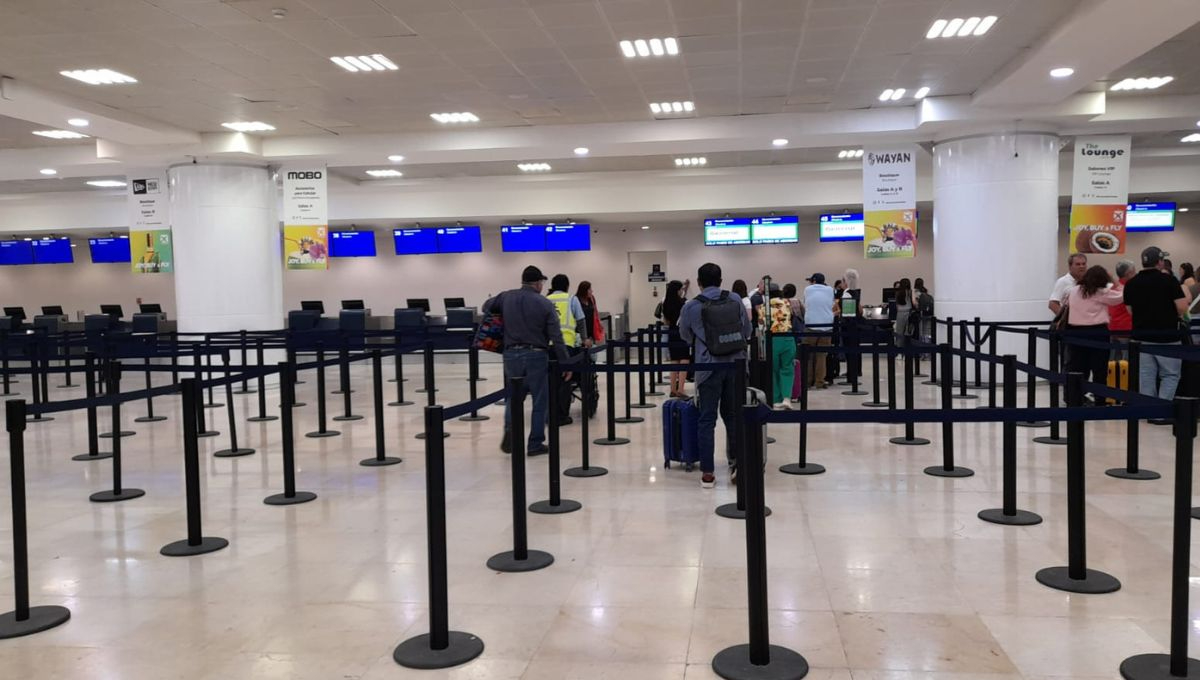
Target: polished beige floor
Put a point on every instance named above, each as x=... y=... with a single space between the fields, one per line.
x=877 y=572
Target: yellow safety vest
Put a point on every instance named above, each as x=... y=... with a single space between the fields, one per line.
x=562 y=304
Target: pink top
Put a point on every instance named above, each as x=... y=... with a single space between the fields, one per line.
x=1091 y=311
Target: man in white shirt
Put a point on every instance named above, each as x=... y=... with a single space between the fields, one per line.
x=1076 y=267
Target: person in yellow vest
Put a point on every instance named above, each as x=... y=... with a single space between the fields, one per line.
x=571 y=319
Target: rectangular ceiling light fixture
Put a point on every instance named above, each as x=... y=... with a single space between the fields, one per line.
x=252 y=126
x=850 y=153
x=461 y=117
x=363 y=63
x=1142 y=83
x=534 y=167
x=106 y=183
x=671 y=108
x=692 y=162
x=652 y=47
x=1192 y=138
x=101 y=76
x=385 y=173
x=960 y=28
x=59 y=134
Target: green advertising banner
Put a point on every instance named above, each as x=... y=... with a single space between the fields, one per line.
x=151 y=252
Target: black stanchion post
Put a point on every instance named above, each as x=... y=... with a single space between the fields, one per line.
x=343 y=366
x=6 y=378
x=110 y=379
x=1009 y=514
x=201 y=416
x=66 y=359
x=876 y=401
x=175 y=358
x=44 y=370
x=910 y=437
x=288 y=438
x=346 y=390
x=1131 y=470
x=322 y=426
x=891 y=371
x=610 y=401
x=641 y=354
x=1055 y=357
x=628 y=418
x=440 y=647
x=234 y=450
x=802 y=466
x=32 y=351
x=23 y=619
x=737 y=509
x=93 y=437
x=472 y=379
x=1076 y=577
x=555 y=505
x=262 y=416
x=758 y=660
x=1177 y=664
x=964 y=345
x=208 y=355
x=656 y=355
x=381 y=458
x=947 y=469
x=149 y=417
x=245 y=389
x=118 y=492
x=992 y=368
x=520 y=558
x=934 y=362
x=1031 y=379
x=430 y=378
x=586 y=469
x=196 y=542
x=978 y=346
x=399 y=378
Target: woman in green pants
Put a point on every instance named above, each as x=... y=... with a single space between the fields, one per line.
x=783 y=351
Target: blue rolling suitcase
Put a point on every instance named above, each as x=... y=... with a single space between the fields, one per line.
x=681 y=421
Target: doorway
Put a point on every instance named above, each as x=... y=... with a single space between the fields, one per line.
x=647 y=284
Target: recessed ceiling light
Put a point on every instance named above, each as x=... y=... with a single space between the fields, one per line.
x=960 y=28
x=251 y=126
x=691 y=162
x=582 y=151
x=850 y=153
x=48 y=171
x=1142 y=83
x=106 y=183
x=534 y=167
x=385 y=173
x=102 y=76
x=652 y=47
x=671 y=108
x=395 y=159
x=78 y=122
x=60 y=134
x=1192 y=138
x=779 y=142
x=920 y=94
x=886 y=95
x=1062 y=72
x=898 y=94
x=460 y=117
x=1184 y=209
x=364 y=63
x=647 y=226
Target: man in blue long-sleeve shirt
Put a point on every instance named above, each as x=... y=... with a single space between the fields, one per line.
x=714 y=389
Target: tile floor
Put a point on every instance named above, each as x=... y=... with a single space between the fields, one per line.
x=877 y=572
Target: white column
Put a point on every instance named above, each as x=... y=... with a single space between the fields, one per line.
x=228 y=257
x=995 y=224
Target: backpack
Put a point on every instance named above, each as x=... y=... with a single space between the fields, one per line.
x=489 y=337
x=722 y=321
x=925 y=304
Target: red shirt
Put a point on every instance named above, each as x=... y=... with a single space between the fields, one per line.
x=1119 y=318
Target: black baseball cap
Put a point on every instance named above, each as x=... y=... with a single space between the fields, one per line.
x=816 y=278
x=1152 y=256
x=532 y=275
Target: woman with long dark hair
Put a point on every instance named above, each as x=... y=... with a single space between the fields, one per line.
x=592 y=331
x=1087 y=318
x=677 y=350
x=904 y=310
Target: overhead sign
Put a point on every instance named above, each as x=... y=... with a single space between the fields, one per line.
x=890 y=202
x=305 y=217
x=147 y=200
x=1099 y=191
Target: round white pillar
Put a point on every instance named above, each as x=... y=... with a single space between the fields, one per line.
x=995 y=227
x=228 y=257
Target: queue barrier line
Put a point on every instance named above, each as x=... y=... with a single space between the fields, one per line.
x=987 y=415
x=450 y=412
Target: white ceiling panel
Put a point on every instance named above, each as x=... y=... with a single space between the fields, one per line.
x=639 y=11
x=569 y=14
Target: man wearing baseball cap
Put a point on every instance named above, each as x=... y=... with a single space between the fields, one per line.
x=1156 y=301
x=531 y=332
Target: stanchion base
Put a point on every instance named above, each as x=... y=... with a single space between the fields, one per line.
x=875 y=404
x=655 y=393
x=213 y=405
x=421 y=435
x=342 y=392
x=564 y=506
x=39 y=419
x=183 y=549
x=110 y=497
x=422 y=390
x=1155 y=667
x=1124 y=473
x=245 y=391
x=733 y=663
x=298 y=498
x=400 y=403
x=904 y=441
x=1195 y=513
x=346 y=419
x=124 y=433
x=506 y=561
x=150 y=419
x=590 y=471
x=392 y=380
x=629 y=421
x=855 y=393
x=798 y=469
x=941 y=471
x=642 y=405
x=1033 y=423
x=299 y=404
x=615 y=441
x=474 y=419
x=40 y=618
x=380 y=462
x=964 y=396
x=730 y=511
x=1023 y=518
x=208 y=433
x=87 y=456
x=1093 y=583
x=261 y=419
x=415 y=652
x=319 y=434
x=931 y=382
x=770 y=440
x=1056 y=441
x=233 y=453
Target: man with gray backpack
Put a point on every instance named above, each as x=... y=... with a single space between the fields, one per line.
x=715 y=323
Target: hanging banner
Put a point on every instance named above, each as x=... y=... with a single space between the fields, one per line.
x=1099 y=192
x=305 y=217
x=147 y=200
x=890 y=202
x=151 y=251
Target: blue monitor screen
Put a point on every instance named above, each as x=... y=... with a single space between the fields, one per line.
x=53 y=251
x=774 y=229
x=727 y=231
x=560 y=237
x=415 y=241
x=16 y=252
x=1150 y=217
x=523 y=238
x=352 y=244
x=459 y=240
x=109 y=250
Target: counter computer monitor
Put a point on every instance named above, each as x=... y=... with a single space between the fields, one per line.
x=312 y=306
x=150 y=308
x=17 y=313
x=889 y=295
x=455 y=303
x=353 y=304
x=114 y=311
x=52 y=310
x=418 y=303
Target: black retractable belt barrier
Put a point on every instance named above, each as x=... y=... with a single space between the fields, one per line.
x=118 y=493
x=802 y=466
x=758 y=660
x=935 y=361
x=287 y=394
x=344 y=368
x=628 y=418
x=245 y=388
x=1076 y=577
x=737 y=509
x=262 y=416
x=5 y=379
x=149 y=417
x=891 y=372
x=175 y=358
x=381 y=457
x=208 y=354
x=1131 y=470
x=1009 y=514
x=89 y=386
x=1055 y=356
x=201 y=417
x=472 y=379
x=234 y=450
x=23 y=620
x=399 y=378
x=520 y=558
x=853 y=361
x=1177 y=664
x=430 y=390
x=945 y=356
x=33 y=352
x=66 y=360
x=110 y=378
x=44 y=356
x=322 y=425
x=656 y=355
x=440 y=647
x=586 y=469
x=991 y=384
x=978 y=360
x=641 y=402
x=1030 y=379
x=910 y=437
x=876 y=401
x=346 y=390
x=610 y=401
x=964 y=342
x=556 y=505
x=196 y=542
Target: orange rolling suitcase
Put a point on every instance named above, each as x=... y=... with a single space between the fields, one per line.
x=1118 y=376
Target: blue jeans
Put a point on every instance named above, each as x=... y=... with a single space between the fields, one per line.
x=1154 y=368
x=716 y=395
x=532 y=365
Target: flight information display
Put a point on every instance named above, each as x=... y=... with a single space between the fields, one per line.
x=523 y=238
x=842 y=227
x=52 y=251
x=774 y=229
x=727 y=231
x=459 y=240
x=16 y=252
x=1150 y=217
x=109 y=250
x=563 y=237
x=415 y=241
x=352 y=244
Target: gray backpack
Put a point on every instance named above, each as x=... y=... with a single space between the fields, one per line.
x=722 y=321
